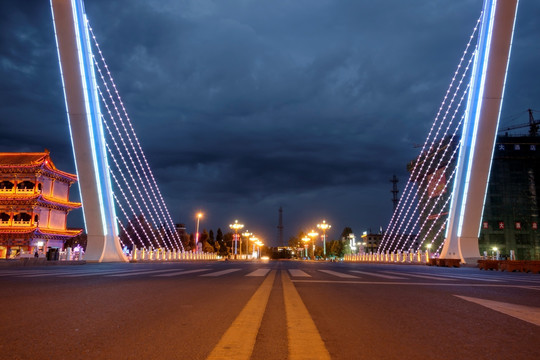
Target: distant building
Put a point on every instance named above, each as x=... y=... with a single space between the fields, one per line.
x=34 y=203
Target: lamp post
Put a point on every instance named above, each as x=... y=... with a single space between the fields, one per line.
x=428 y=246
x=312 y=235
x=247 y=234
x=324 y=226
x=236 y=226
x=199 y=216
x=259 y=244
x=254 y=241
x=306 y=240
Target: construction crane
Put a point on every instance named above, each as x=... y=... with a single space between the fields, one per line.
x=532 y=124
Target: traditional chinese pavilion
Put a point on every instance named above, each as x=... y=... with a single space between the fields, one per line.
x=34 y=203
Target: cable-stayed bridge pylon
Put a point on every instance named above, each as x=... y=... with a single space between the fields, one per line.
x=441 y=206
x=111 y=164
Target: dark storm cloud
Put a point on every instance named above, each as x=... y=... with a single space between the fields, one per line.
x=245 y=106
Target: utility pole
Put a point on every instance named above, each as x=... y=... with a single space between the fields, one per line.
x=394 y=191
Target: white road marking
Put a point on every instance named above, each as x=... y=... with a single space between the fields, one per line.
x=526 y=313
x=298 y=273
x=97 y=273
x=219 y=273
x=182 y=272
x=259 y=272
x=139 y=272
x=338 y=274
x=49 y=273
x=463 y=277
x=377 y=275
x=419 y=276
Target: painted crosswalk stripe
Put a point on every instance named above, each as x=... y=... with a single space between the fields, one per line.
x=419 y=276
x=469 y=278
x=377 y=275
x=141 y=272
x=298 y=273
x=222 y=272
x=182 y=272
x=49 y=273
x=338 y=274
x=259 y=272
x=522 y=312
x=97 y=273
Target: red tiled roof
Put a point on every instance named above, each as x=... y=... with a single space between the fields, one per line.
x=25 y=159
x=28 y=160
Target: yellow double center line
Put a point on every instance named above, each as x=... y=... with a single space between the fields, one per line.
x=303 y=337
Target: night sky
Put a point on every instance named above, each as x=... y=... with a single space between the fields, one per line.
x=245 y=106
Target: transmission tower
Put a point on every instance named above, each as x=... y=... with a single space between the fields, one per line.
x=280 y=227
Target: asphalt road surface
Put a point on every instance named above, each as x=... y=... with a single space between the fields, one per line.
x=267 y=310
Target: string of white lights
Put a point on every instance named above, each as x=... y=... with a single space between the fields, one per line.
x=442 y=191
x=126 y=199
x=434 y=222
x=125 y=232
x=404 y=200
x=147 y=245
x=147 y=199
x=134 y=182
x=402 y=234
x=160 y=201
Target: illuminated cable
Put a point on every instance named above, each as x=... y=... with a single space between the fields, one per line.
x=170 y=225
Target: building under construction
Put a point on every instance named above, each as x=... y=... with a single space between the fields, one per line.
x=510 y=217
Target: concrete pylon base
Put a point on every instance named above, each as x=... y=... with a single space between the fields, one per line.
x=104 y=249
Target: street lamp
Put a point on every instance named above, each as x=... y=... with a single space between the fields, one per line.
x=254 y=241
x=236 y=226
x=199 y=216
x=313 y=234
x=306 y=239
x=324 y=226
x=247 y=234
x=259 y=244
x=428 y=247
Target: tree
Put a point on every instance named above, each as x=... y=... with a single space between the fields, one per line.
x=345 y=233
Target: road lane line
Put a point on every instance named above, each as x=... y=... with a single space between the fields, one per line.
x=259 y=272
x=239 y=339
x=298 y=273
x=182 y=272
x=338 y=274
x=526 y=313
x=305 y=342
x=222 y=272
x=377 y=275
x=419 y=276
